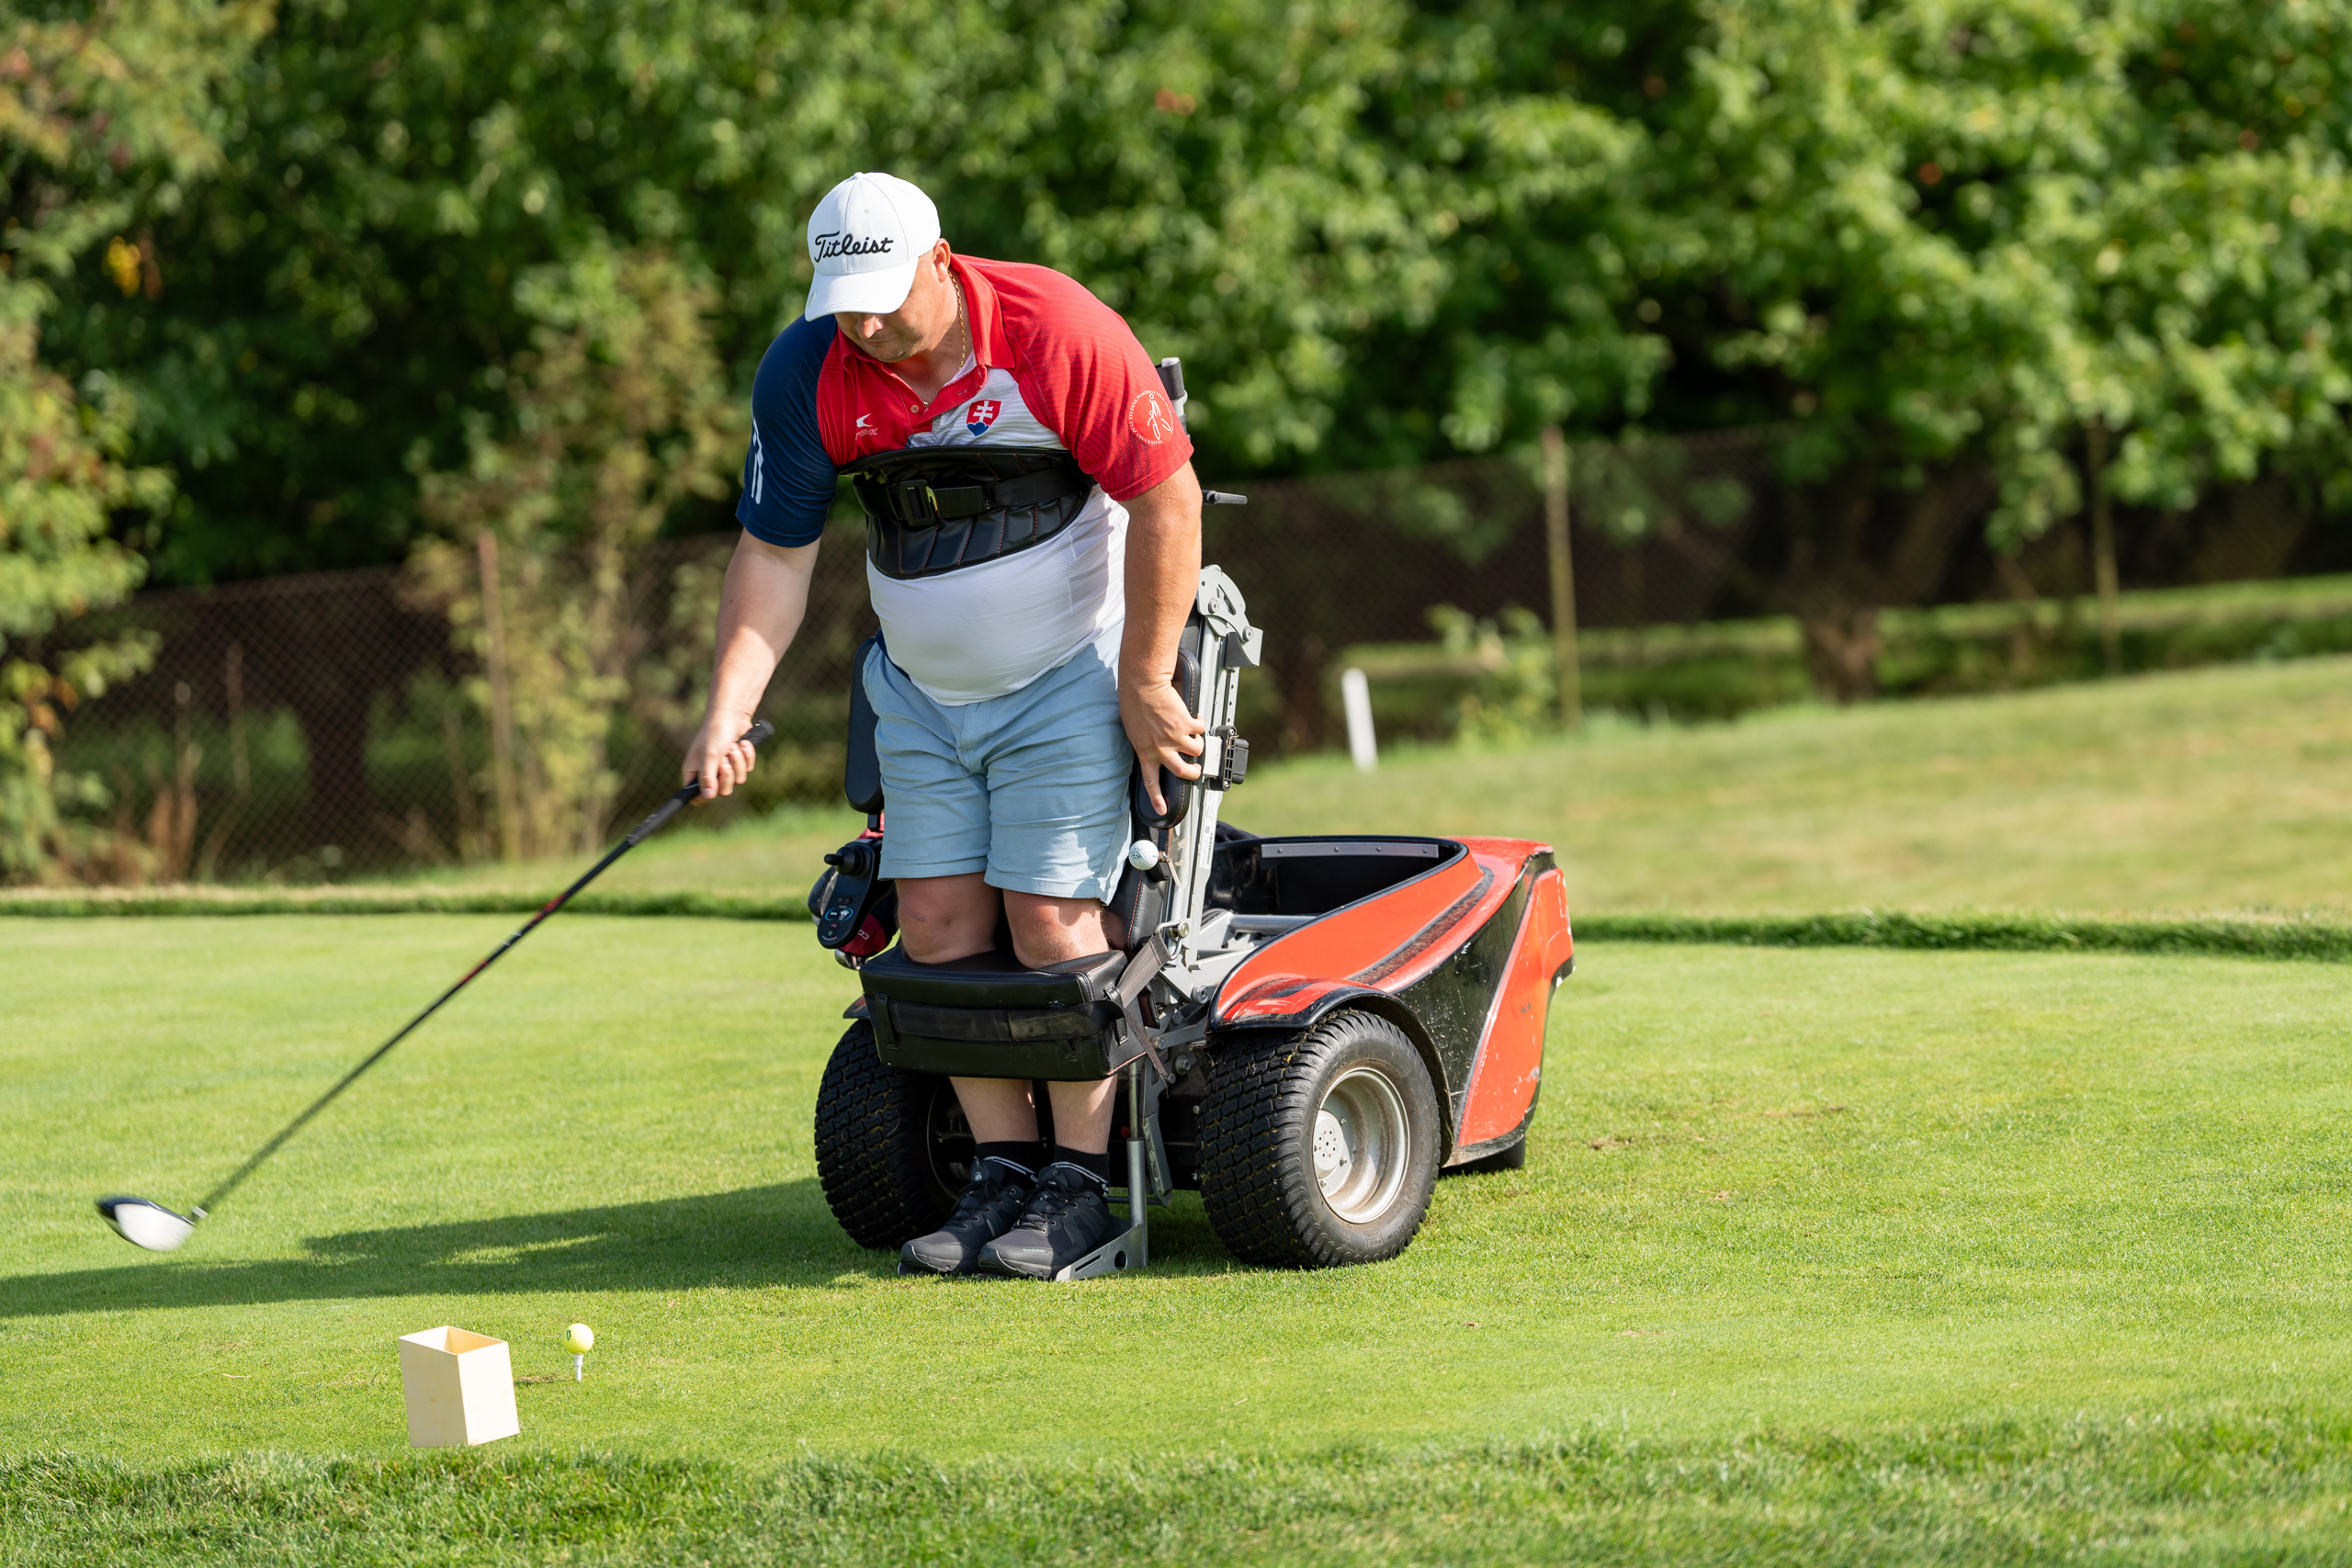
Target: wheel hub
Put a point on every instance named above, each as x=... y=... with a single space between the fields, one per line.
x=1361 y=1138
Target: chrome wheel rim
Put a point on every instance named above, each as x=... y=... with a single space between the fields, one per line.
x=1361 y=1145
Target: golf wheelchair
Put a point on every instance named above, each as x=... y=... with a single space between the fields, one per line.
x=1309 y=1027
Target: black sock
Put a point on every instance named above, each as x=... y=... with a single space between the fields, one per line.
x=1021 y=1157
x=1097 y=1165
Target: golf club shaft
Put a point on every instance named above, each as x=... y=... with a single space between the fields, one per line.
x=752 y=737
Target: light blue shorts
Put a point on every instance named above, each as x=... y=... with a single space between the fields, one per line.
x=1030 y=787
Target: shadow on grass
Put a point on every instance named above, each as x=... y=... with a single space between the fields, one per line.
x=777 y=1235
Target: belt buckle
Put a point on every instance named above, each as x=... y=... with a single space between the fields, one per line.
x=927 y=511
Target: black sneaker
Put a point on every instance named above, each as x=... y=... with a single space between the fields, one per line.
x=992 y=1200
x=1069 y=1217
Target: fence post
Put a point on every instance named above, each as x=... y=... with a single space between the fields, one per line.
x=501 y=714
x=1564 y=576
x=2110 y=633
x=241 y=777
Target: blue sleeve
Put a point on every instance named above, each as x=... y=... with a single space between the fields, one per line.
x=788 y=482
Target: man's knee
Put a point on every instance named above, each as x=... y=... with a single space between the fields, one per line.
x=946 y=918
x=1046 y=930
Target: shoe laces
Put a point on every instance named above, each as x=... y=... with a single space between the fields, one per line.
x=987 y=1181
x=1055 y=1199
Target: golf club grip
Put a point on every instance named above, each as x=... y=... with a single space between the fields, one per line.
x=759 y=731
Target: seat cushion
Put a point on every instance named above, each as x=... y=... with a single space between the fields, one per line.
x=988 y=1017
x=991 y=980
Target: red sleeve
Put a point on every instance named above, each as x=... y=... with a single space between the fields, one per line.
x=1087 y=380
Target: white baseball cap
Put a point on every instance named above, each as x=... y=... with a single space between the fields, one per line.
x=866 y=238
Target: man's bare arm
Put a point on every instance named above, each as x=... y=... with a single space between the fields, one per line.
x=1163 y=580
x=758 y=612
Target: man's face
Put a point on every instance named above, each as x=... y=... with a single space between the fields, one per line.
x=918 y=326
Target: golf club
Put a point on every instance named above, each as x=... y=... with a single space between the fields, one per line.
x=144 y=1223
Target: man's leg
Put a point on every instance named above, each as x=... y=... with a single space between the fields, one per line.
x=1053 y=762
x=941 y=918
x=946 y=918
x=1047 y=931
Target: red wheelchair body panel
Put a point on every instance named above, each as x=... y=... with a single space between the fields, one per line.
x=1470 y=950
x=1510 y=1067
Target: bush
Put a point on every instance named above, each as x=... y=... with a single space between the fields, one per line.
x=1493 y=678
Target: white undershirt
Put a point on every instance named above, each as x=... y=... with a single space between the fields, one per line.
x=982 y=631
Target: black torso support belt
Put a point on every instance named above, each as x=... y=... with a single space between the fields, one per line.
x=933 y=509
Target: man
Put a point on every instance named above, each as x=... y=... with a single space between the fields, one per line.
x=1033 y=548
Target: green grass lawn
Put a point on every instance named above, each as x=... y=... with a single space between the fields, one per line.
x=2203 y=791
x=2221 y=789
x=1830 y=1255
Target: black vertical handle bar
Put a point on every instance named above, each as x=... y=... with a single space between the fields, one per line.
x=753 y=737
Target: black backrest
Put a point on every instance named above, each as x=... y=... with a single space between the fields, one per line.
x=861 y=773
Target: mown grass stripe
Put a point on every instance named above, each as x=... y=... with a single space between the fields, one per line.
x=2272 y=1488
x=2226 y=936
x=2220 y=936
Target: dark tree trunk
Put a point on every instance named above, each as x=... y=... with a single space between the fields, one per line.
x=1841 y=649
x=1873 y=548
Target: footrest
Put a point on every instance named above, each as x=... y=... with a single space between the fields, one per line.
x=1127 y=1250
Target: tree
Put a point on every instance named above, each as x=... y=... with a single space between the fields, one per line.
x=1941 y=237
x=621 y=415
x=348 y=287
x=103 y=116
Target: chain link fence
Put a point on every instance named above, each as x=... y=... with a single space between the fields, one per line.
x=311 y=729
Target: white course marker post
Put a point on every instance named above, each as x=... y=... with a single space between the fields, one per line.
x=1355 y=696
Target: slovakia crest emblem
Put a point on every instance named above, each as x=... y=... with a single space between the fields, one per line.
x=982 y=413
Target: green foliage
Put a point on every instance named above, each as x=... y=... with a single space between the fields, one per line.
x=1926 y=232
x=1722 y=669
x=352 y=285
x=1934 y=242
x=101 y=118
x=107 y=114
x=1632 y=488
x=60 y=475
x=621 y=417
x=1517 y=692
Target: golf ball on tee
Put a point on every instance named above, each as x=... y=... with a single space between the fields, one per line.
x=581 y=1339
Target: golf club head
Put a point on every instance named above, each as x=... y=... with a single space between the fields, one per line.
x=146 y=1224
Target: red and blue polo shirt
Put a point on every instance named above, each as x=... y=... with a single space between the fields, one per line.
x=1051 y=367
